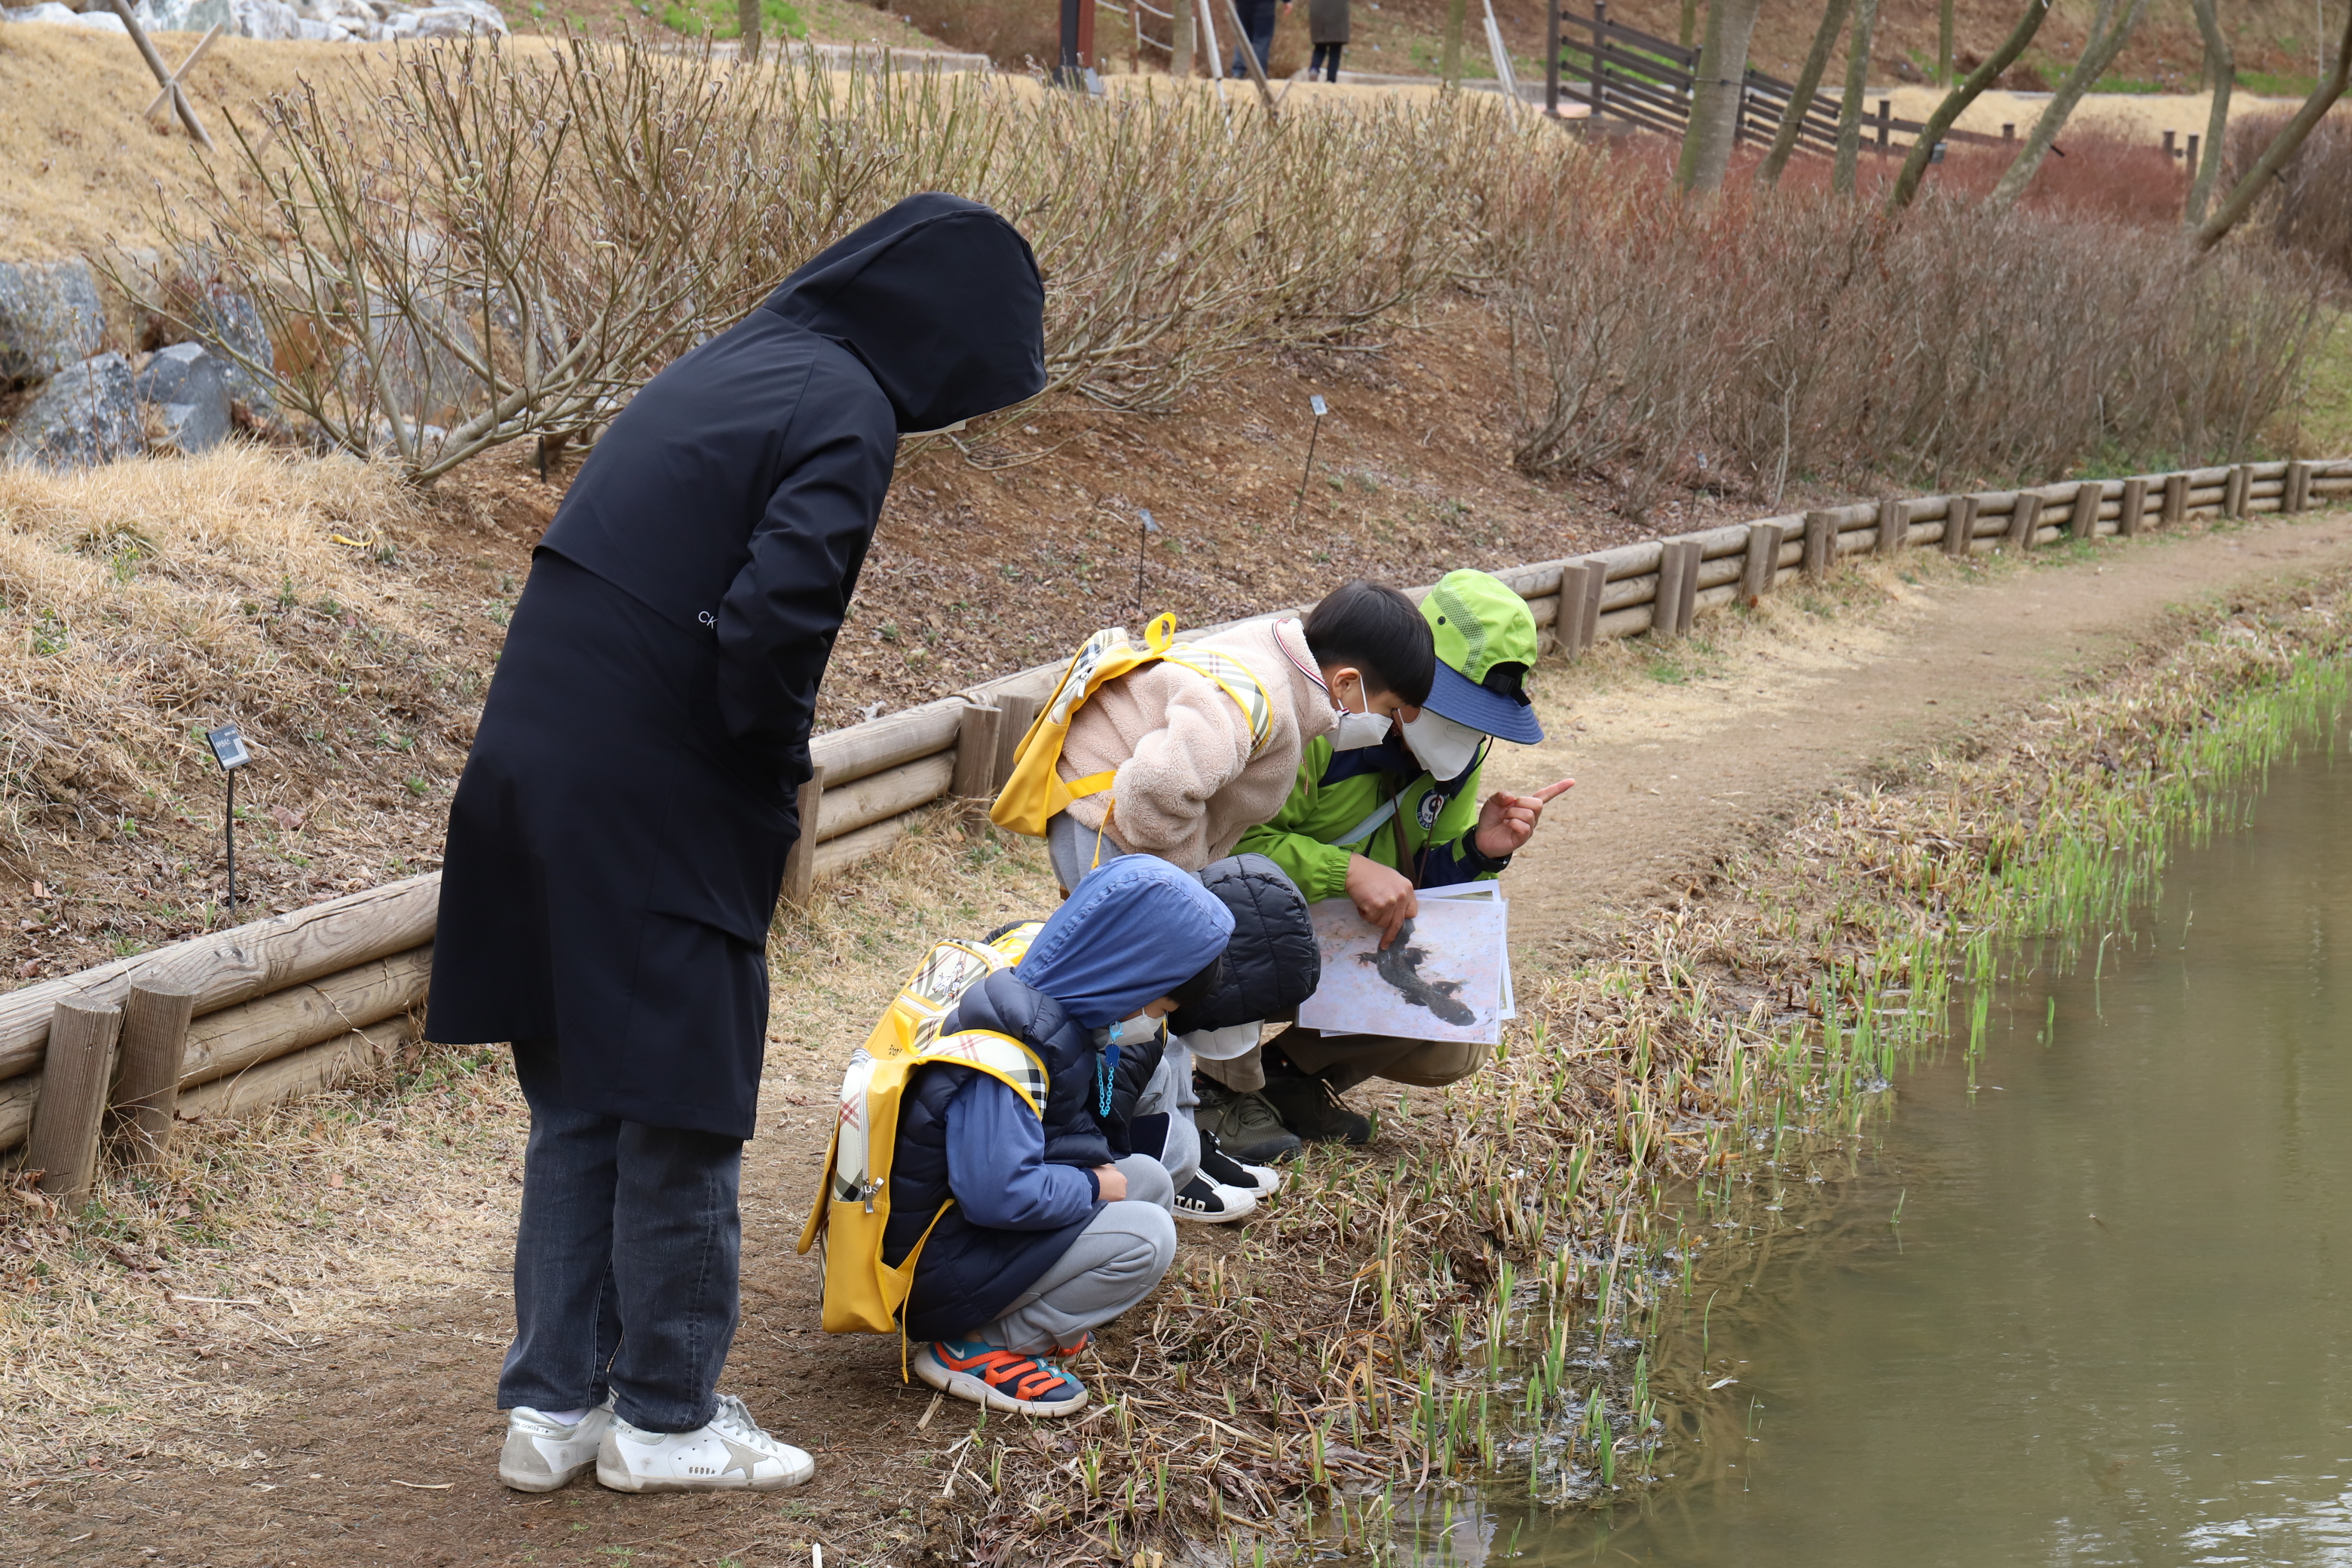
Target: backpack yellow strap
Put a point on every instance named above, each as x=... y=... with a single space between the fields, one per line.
x=1036 y=791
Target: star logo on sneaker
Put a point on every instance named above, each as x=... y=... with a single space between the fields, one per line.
x=746 y=1460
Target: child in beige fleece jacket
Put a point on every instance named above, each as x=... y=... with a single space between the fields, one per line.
x=1187 y=784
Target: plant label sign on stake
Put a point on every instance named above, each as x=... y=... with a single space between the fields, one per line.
x=1315 y=403
x=229 y=751
x=1145 y=527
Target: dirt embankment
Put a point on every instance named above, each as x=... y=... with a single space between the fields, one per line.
x=331 y=1399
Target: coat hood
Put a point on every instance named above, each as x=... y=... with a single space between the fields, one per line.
x=1272 y=963
x=1133 y=931
x=940 y=300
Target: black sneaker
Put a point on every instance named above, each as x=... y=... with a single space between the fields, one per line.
x=1227 y=1172
x=1245 y=1126
x=1207 y=1202
x=1311 y=1107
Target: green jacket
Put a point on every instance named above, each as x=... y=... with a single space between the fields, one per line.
x=1337 y=790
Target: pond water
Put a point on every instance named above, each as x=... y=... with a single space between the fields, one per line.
x=2114 y=1323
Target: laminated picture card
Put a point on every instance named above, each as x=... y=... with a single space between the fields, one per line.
x=1445 y=977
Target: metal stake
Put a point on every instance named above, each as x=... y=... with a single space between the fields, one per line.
x=1146 y=528
x=1315 y=402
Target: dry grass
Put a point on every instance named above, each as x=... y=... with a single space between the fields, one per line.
x=149 y=601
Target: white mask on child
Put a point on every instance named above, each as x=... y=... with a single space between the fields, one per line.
x=1357 y=730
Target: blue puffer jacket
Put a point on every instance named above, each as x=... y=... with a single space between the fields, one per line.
x=969 y=1274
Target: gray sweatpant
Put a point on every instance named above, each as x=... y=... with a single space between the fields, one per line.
x=1115 y=1261
x=1076 y=849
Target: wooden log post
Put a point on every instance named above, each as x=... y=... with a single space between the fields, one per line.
x=2083 y=523
x=799 y=862
x=1568 y=622
x=147 y=1090
x=1894 y=527
x=2135 y=508
x=1596 y=589
x=1761 y=569
x=2024 y=519
x=74 y=1077
x=1960 y=525
x=1670 y=616
x=1017 y=714
x=2234 y=488
x=2296 y=497
x=975 y=759
x=1820 y=545
x=2175 y=501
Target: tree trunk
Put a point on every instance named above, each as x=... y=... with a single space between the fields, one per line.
x=1956 y=103
x=2223 y=67
x=1450 y=67
x=1715 y=102
x=1690 y=22
x=1943 y=45
x=1180 y=58
x=747 y=18
x=2108 y=33
x=1809 y=82
x=2283 y=146
x=1857 y=74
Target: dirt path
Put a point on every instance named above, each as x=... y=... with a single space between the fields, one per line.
x=378 y=1447
x=1672 y=775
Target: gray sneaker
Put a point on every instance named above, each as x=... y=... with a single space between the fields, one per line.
x=1245 y=1126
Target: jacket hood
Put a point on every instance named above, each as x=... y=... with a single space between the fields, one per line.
x=1272 y=963
x=1133 y=931
x=939 y=298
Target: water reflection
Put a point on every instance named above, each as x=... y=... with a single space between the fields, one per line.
x=2109 y=1326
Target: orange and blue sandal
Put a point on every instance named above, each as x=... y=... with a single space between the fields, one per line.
x=999 y=1378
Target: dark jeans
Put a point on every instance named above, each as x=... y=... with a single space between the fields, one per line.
x=625 y=1265
x=1258 y=18
x=1326 y=59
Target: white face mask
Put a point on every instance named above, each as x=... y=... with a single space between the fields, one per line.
x=1445 y=747
x=1357 y=730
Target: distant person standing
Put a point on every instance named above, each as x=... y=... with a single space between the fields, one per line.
x=1327 y=24
x=1257 y=33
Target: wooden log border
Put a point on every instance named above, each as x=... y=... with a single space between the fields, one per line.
x=299 y=1001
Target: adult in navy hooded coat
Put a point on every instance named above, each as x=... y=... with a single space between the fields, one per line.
x=618 y=839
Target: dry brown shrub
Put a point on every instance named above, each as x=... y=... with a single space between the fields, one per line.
x=2308 y=209
x=1775 y=336
x=499 y=243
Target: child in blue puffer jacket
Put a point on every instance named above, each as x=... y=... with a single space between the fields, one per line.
x=1048 y=1236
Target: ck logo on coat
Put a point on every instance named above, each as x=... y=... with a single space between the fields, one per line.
x=1431 y=806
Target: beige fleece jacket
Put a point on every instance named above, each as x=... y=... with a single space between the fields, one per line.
x=1187 y=788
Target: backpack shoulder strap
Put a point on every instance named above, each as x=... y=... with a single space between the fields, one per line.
x=1000 y=1055
x=1237 y=681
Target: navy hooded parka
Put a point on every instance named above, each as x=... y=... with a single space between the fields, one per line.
x=617 y=840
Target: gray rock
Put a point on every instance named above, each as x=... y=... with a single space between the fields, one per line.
x=227 y=322
x=84 y=415
x=49 y=317
x=190 y=385
x=457 y=19
x=183 y=15
x=265 y=19
x=49 y=11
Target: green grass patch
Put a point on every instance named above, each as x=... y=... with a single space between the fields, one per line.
x=721 y=19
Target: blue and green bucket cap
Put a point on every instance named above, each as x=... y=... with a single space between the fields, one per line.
x=1486 y=647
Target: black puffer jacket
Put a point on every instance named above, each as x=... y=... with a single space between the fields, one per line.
x=1272 y=964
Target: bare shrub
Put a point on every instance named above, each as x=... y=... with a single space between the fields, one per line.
x=496 y=244
x=1794 y=335
x=2308 y=209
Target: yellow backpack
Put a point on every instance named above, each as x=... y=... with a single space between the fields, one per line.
x=862 y=1293
x=1036 y=791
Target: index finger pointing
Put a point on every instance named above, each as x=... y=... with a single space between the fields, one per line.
x=1550 y=791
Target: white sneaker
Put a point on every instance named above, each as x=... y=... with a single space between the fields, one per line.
x=731 y=1454
x=1227 y=1172
x=542 y=1454
x=1212 y=1203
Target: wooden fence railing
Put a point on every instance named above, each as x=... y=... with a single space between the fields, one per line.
x=260 y=1012
x=1648 y=81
